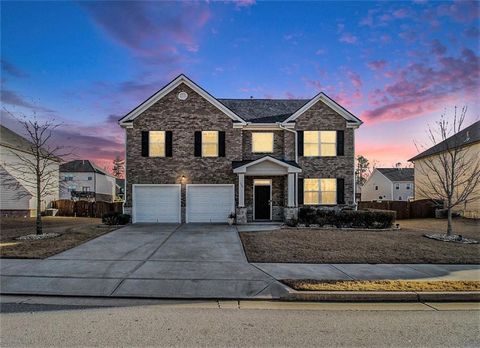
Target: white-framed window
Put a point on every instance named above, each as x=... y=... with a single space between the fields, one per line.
x=90 y=178
x=209 y=143
x=156 y=144
x=72 y=188
x=319 y=143
x=408 y=186
x=397 y=186
x=86 y=188
x=319 y=191
x=262 y=142
x=376 y=188
x=68 y=178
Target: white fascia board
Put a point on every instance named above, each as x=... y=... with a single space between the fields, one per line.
x=329 y=102
x=291 y=169
x=170 y=87
x=263 y=126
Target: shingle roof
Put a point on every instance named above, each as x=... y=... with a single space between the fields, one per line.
x=84 y=166
x=264 y=110
x=11 y=139
x=397 y=174
x=466 y=136
x=236 y=164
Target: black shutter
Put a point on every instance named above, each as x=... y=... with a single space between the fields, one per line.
x=145 y=142
x=221 y=144
x=300 y=191
x=198 y=144
x=340 y=191
x=300 y=143
x=168 y=144
x=340 y=143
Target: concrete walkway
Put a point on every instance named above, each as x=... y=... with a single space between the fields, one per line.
x=149 y=260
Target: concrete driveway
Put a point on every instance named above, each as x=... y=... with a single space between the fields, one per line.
x=147 y=260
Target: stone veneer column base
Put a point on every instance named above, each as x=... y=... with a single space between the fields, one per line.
x=127 y=210
x=241 y=213
x=290 y=213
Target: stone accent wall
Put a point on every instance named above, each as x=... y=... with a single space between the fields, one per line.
x=183 y=118
x=278 y=145
x=278 y=196
x=322 y=117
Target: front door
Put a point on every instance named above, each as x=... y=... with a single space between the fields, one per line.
x=262 y=202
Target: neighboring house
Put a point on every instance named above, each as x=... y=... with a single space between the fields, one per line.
x=119 y=189
x=83 y=180
x=193 y=158
x=17 y=194
x=468 y=138
x=389 y=184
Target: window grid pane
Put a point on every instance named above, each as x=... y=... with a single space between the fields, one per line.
x=320 y=191
x=328 y=143
x=319 y=143
x=209 y=144
x=262 y=142
x=311 y=143
x=156 y=146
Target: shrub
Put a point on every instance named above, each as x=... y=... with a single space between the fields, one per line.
x=347 y=218
x=291 y=222
x=115 y=219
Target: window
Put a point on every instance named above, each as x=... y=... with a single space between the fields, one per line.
x=68 y=178
x=71 y=188
x=86 y=189
x=262 y=142
x=320 y=143
x=376 y=188
x=156 y=146
x=397 y=186
x=320 y=191
x=408 y=186
x=209 y=144
x=399 y=198
x=89 y=178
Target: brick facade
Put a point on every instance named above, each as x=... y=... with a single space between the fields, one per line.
x=195 y=113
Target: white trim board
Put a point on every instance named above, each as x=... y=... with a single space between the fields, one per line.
x=170 y=87
x=329 y=102
x=291 y=169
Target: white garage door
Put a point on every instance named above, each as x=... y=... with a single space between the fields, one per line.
x=209 y=203
x=156 y=203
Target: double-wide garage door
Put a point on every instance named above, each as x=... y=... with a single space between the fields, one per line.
x=161 y=203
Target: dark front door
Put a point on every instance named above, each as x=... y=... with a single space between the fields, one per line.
x=262 y=203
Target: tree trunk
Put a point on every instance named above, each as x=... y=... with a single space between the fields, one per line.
x=38 y=222
x=449 y=225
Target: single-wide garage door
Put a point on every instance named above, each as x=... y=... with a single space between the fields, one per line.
x=156 y=203
x=209 y=203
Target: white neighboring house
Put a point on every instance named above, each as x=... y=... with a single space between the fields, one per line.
x=389 y=184
x=19 y=199
x=85 y=179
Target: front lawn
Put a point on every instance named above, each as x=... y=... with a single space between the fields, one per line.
x=382 y=285
x=406 y=245
x=74 y=231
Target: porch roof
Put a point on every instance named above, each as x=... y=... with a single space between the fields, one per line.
x=289 y=166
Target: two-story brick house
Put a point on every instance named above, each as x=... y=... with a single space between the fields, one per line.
x=193 y=158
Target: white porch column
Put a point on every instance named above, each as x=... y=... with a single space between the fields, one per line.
x=241 y=190
x=291 y=190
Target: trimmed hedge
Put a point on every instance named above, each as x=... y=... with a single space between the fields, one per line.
x=346 y=218
x=115 y=219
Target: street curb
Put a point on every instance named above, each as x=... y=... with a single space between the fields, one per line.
x=381 y=296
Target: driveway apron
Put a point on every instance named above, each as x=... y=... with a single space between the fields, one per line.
x=147 y=260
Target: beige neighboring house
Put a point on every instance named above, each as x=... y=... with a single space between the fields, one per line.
x=388 y=184
x=17 y=196
x=468 y=138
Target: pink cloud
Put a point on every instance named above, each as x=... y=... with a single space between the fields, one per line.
x=355 y=79
x=437 y=48
x=244 y=3
x=400 y=13
x=377 y=64
x=348 y=38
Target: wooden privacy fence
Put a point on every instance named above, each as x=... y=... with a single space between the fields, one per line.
x=68 y=207
x=424 y=208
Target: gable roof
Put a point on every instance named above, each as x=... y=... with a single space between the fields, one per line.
x=397 y=174
x=81 y=166
x=241 y=166
x=167 y=89
x=466 y=136
x=264 y=110
x=352 y=119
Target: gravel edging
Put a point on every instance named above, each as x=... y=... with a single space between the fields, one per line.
x=381 y=296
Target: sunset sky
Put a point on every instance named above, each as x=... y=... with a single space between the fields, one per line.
x=396 y=65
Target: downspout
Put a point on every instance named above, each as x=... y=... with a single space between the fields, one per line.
x=354 y=176
x=296 y=160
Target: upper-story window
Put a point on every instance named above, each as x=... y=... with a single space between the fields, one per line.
x=397 y=186
x=320 y=143
x=68 y=178
x=408 y=186
x=320 y=191
x=156 y=146
x=89 y=178
x=209 y=143
x=262 y=142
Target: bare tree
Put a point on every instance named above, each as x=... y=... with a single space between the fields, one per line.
x=33 y=163
x=118 y=166
x=363 y=167
x=453 y=172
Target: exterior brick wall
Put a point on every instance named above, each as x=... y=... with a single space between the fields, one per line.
x=278 y=145
x=322 y=117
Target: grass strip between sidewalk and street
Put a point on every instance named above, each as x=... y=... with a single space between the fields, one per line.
x=382 y=285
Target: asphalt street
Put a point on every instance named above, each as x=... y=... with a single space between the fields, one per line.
x=233 y=323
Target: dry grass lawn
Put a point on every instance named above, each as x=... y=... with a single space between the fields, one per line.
x=382 y=285
x=74 y=231
x=406 y=245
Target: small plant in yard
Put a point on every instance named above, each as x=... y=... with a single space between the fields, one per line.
x=291 y=222
x=115 y=219
x=231 y=218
